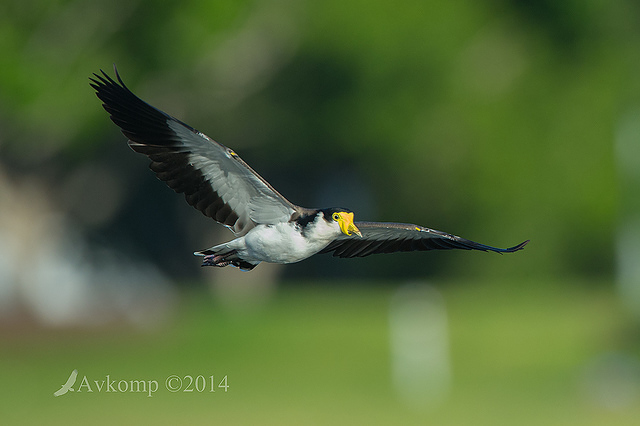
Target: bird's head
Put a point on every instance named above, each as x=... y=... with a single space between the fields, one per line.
x=344 y=219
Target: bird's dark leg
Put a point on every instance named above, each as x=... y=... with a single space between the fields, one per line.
x=215 y=260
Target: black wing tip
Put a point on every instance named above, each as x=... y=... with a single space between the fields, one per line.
x=103 y=80
x=516 y=247
x=472 y=245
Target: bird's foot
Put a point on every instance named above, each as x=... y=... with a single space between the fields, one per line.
x=215 y=260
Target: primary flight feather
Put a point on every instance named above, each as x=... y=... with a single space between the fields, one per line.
x=268 y=227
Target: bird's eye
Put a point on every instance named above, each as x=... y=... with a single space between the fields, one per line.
x=336 y=217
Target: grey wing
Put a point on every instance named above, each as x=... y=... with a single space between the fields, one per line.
x=214 y=179
x=380 y=237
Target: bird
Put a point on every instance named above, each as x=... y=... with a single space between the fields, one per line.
x=267 y=226
x=66 y=387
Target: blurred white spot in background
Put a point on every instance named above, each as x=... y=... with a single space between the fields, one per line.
x=628 y=235
x=612 y=381
x=51 y=275
x=628 y=264
x=420 y=346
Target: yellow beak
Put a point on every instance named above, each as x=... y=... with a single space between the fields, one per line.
x=346 y=224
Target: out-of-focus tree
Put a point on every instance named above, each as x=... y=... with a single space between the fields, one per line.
x=492 y=120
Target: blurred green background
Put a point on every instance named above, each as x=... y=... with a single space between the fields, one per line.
x=498 y=121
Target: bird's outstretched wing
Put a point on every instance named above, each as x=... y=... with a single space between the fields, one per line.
x=380 y=237
x=214 y=179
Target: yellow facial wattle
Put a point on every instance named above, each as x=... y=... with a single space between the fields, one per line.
x=345 y=220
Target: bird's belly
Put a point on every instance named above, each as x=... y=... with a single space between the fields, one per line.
x=280 y=243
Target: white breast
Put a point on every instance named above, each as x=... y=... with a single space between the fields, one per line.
x=285 y=242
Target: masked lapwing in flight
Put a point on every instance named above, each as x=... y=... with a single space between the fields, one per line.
x=267 y=226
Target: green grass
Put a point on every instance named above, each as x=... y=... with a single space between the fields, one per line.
x=320 y=355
